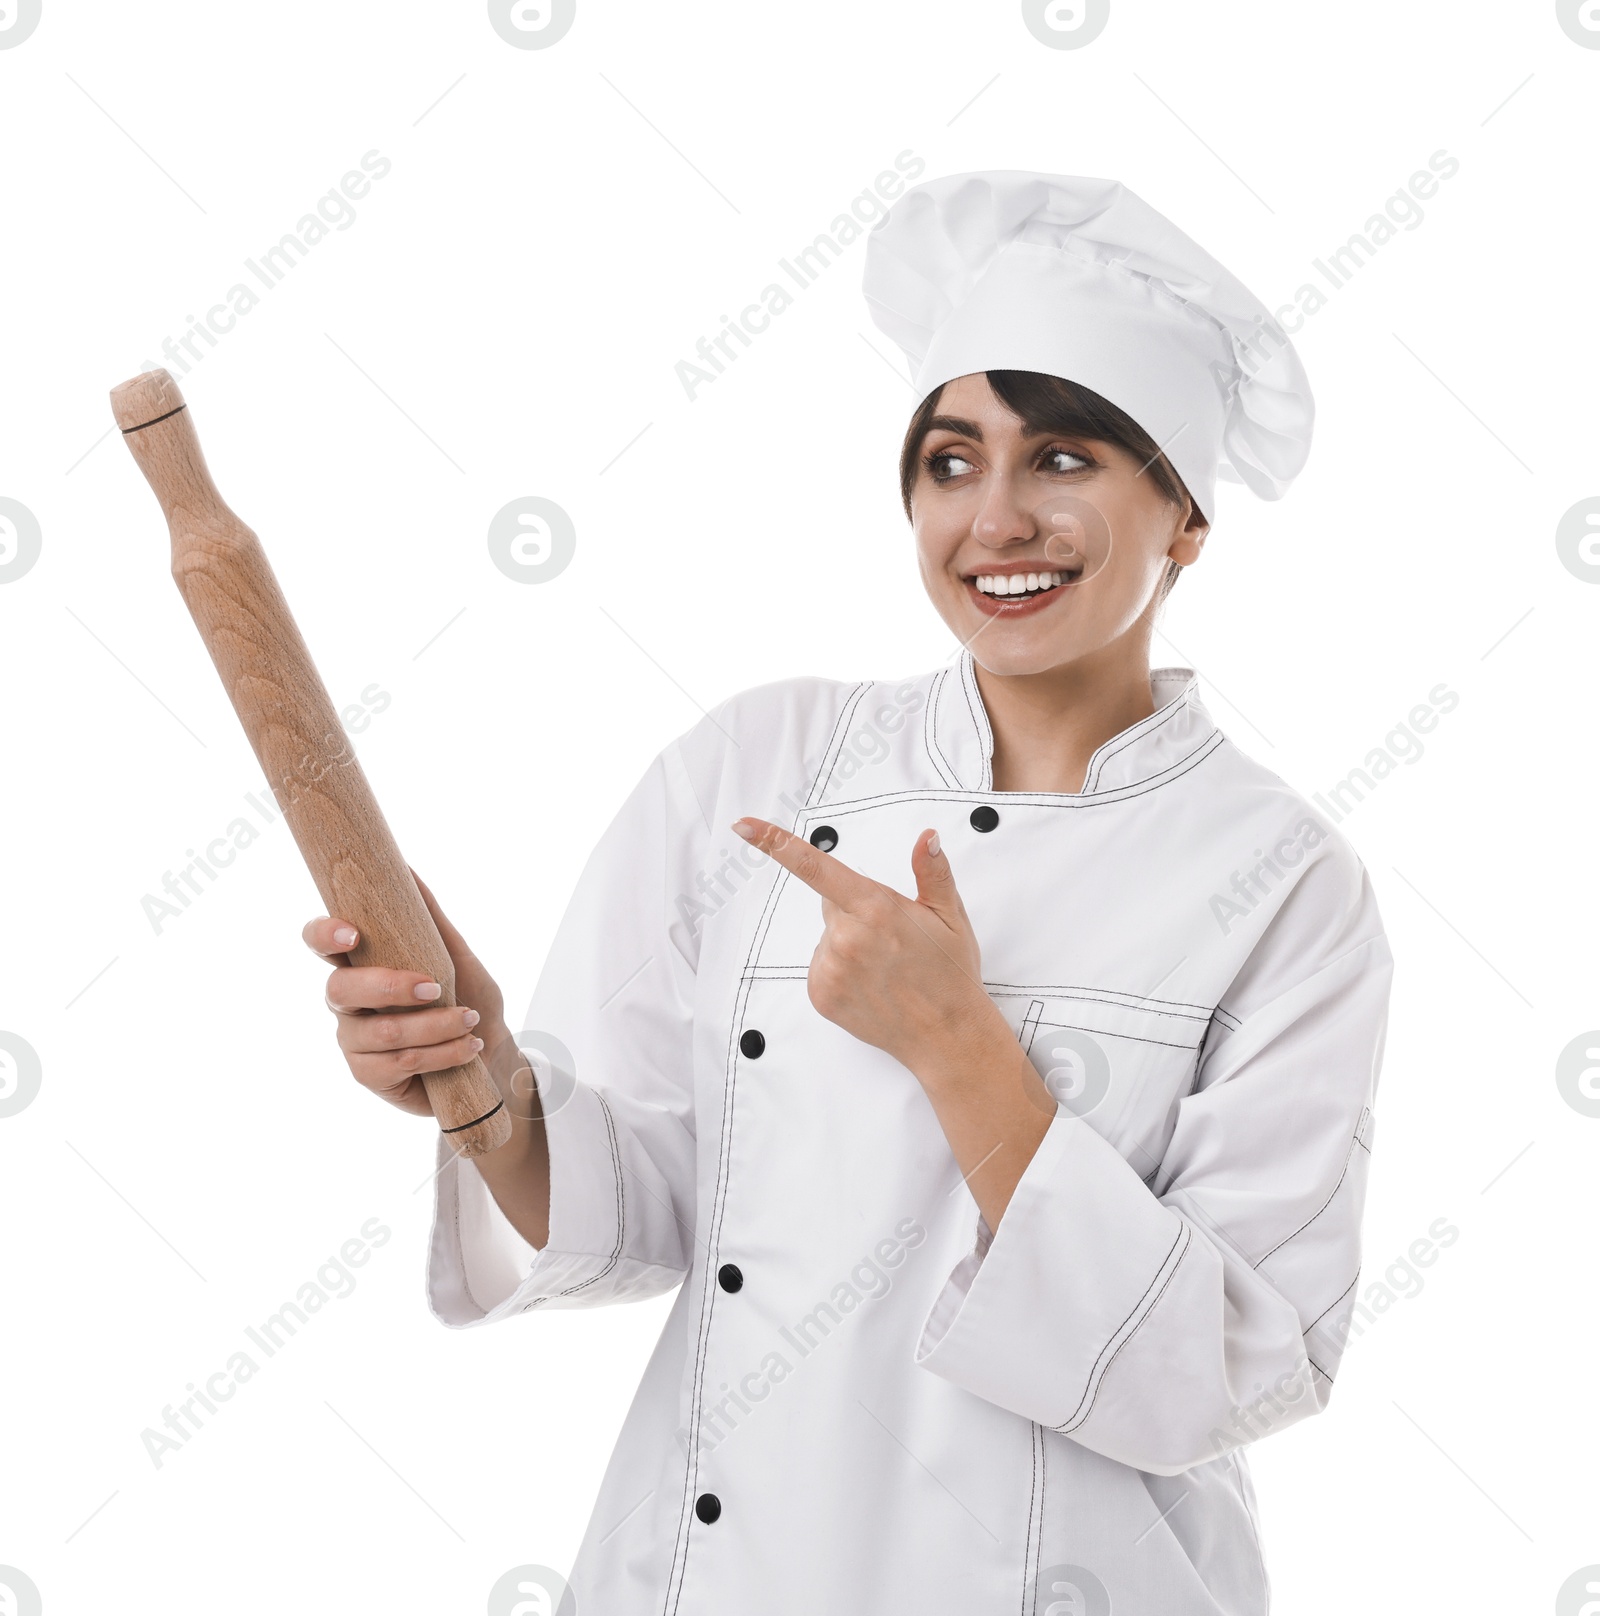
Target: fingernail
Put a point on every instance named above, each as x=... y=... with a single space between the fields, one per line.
x=469 y=1018
x=933 y=842
x=477 y=1044
x=427 y=990
x=745 y=828
x=345 y=936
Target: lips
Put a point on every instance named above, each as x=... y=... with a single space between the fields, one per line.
x=1017 y=591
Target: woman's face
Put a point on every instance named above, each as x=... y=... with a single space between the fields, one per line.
x=996 y=509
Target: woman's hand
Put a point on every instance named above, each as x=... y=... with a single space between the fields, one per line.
x=904 y=974
x=385 y=1027
x=901 y=973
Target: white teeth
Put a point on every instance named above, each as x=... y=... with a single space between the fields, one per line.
x=1017 y=583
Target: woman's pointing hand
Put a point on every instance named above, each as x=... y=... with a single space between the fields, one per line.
x=901 y=973
x=904 y=974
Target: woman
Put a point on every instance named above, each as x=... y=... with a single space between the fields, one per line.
x=1007 y=1208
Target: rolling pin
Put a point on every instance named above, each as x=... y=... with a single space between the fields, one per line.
x=225 y=579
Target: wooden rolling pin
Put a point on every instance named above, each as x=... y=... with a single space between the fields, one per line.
x=228 y=584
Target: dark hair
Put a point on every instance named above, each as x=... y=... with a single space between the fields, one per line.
x=1052 y=404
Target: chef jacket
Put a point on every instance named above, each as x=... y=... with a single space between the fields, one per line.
x=864 y=1399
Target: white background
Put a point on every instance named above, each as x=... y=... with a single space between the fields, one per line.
x=502 y=319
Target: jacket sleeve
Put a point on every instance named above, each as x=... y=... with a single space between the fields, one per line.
x=1164 y=1324
x=608 y=1034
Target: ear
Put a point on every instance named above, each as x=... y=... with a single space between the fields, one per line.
x=1186 y=547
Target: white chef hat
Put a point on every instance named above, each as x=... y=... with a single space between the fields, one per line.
x=1080 y=278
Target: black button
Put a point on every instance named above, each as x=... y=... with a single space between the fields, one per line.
x=729 y=1277
x=751 y=1044
x=825 y=838
x=708 y=1507
x=984 y=817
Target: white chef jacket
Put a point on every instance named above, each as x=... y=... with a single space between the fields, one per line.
x=865 y=1400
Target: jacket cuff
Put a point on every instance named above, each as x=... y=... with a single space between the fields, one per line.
x=480 y=1269
x=1031 y=1319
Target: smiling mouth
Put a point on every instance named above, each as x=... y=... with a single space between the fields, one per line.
x=1024 y=585
x=1001 y=590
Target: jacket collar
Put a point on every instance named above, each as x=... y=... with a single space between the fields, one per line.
x=960 y=742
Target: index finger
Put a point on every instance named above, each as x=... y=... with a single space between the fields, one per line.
x=329 y=936
x=820 y=871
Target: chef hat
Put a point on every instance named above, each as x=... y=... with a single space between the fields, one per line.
x=1080 y=278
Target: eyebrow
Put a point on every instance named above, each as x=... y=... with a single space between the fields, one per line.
x=954 y=423
x=964 y=428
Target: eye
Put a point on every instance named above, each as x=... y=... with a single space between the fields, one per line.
x=945 y=464
x=1057 y=453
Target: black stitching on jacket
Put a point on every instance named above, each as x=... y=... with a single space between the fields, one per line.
x=1146 y=726
x=1045 y=799
x=1091 y=1391
x=1349 y=1154
x=680 y=1552
x=929 y=729
x=1331 y=1306
x=969 y=689
x=1131 y=1037
x=1181 y=1009
x=1028 y=1536
x=830 y=756
x=616 y=1253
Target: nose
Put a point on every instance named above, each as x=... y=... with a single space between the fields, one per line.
x=1002 y=518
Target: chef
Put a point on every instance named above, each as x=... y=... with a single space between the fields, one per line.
x=987 y=1057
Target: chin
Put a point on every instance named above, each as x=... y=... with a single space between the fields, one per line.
x=1017 y=656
